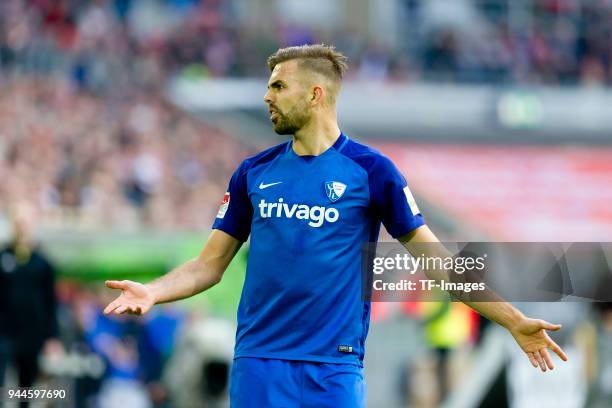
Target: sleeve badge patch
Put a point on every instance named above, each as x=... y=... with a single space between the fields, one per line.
x=224 y=205
x=411 y=201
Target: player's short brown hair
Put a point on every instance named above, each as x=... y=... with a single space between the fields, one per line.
x=320 y=58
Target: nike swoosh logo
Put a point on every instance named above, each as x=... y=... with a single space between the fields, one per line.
x=263 y=186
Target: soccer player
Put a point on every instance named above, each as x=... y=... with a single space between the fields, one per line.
x=308 y=205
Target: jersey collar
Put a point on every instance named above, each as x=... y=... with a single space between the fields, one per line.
x=338 y=146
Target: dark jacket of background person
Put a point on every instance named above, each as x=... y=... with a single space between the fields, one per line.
x=27 y=309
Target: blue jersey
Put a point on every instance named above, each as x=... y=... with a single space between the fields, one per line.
x=308 y=217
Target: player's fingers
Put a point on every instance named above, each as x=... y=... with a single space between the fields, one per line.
x=114 y=284
x=532 y=359
x=558 y=350
x=549 y=326
x=111 y=306
x=121 y=309
x=547 y=359
x=540 y=360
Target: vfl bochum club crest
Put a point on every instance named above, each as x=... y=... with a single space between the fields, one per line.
x=334 y=190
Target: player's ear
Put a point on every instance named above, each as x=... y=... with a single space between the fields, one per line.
x=317 y=94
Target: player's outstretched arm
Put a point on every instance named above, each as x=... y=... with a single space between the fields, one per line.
x=188 y=279
x=530 y=334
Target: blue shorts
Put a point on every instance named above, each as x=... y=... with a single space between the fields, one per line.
x=259 y=382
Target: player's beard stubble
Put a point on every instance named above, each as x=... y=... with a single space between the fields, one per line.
x=293 y=120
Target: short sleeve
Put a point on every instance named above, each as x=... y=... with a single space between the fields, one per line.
x=236 y=212
x=391 y=199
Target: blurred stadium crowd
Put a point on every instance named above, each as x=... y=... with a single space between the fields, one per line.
x=107 y=44
x=95 y=138
x=119 y=162
x=86 y=80
x=559 y=42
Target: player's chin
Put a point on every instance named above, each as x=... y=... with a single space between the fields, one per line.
x=282 y=130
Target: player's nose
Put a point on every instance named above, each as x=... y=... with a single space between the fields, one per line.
x=267 y=99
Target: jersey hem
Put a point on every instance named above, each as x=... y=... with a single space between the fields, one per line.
x=313 y=359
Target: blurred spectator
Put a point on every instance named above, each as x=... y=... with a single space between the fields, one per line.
x=197 y=375
x=116 y=361
x=600 y=393
x=447 y=328
x=441 y=54
x=28 y=321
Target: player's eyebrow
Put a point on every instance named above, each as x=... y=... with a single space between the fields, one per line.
x=276 y=84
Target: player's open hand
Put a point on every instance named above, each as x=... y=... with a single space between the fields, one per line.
x=135 y=298
x=531 y=336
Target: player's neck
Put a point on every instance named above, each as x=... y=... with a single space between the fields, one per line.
x=316 y=137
